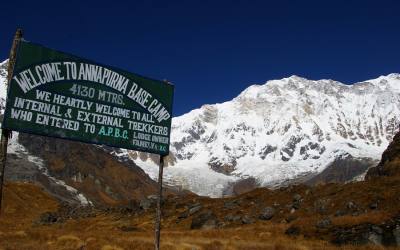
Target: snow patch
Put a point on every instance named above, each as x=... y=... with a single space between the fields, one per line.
x=18 y=149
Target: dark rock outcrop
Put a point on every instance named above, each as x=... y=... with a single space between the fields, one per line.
x=343 y=169
x=386 y=234
x=390 y=162
x=243 y=186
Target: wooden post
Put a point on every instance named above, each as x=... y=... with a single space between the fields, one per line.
x=157 y=230
x=5 y=134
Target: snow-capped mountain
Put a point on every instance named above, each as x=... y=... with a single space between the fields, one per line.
x=276 y=132
x=281 y=130
x=3 y=80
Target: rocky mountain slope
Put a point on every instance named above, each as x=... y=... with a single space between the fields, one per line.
x=357 y=215
x=283 y=130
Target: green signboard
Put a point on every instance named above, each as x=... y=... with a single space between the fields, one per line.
x=61 y=95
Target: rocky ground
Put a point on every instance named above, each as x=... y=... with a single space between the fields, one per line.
x=356 y=215
x=362 y=215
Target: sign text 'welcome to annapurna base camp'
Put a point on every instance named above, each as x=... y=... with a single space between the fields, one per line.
x=60 y=95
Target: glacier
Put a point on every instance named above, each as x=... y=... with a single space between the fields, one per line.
x=280 y=130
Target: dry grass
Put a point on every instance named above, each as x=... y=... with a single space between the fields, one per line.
x=372 y=217
x=25 y=202
x=176 y=241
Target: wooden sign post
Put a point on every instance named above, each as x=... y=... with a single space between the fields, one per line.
x=159 y=201
x=5 y=133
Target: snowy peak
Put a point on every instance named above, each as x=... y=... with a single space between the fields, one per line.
x=285 y=128
x=299 y=84
x=3 y=84
x=4 y=64
x=391 y=81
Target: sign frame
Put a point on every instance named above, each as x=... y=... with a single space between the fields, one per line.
x=77 y=59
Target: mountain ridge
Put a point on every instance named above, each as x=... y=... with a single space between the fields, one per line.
x=300 y=126
x=276 y=132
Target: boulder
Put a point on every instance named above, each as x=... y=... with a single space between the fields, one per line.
x=321 y=205
x=146 y=203
x=296 y=205
x=232 y=218
x=190 y=211
x=324 y=223
x=230 y=204
x=396 y=235
x=204 y=220
x=184 y=215
x=290 y=218
x=339 y=213
x=267 y=213
x=247 y=220
x=293 y=231
x=375 y=235
x=48 y=218
x=297 y=198
x=373 y=205
x=195 y=209
x=351 y=205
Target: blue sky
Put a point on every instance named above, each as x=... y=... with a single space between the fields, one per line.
x=212 y=50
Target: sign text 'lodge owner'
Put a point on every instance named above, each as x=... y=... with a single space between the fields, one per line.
x=60 y=95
